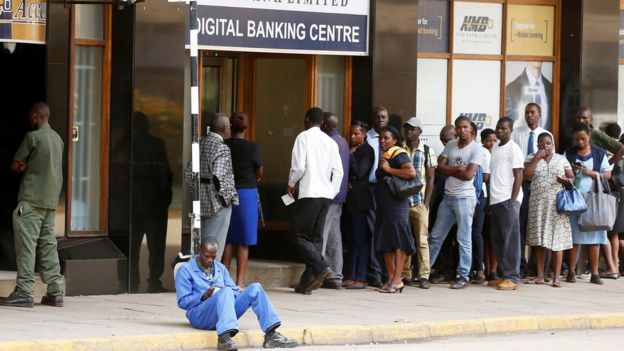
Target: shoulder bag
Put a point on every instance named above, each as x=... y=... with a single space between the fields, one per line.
x=401 y=188
x=601 y=208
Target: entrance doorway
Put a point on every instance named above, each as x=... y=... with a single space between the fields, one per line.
x=23 y=84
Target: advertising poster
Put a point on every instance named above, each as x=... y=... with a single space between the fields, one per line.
x=621 y=34
x=23 y=21
x=337 y=27
x=476 y=91
x=431 y=99
x=528 y=81
x=433 y=24
x=530 y=30
x=477 y=28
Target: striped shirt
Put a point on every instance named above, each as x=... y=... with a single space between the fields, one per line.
x=418 y=160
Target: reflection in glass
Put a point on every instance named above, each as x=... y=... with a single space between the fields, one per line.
x=218 y=88
x=280 y=106
x=86 y=150
x=330 y=86
x=151 y=196
x=89 y=21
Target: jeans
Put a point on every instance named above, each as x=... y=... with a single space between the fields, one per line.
x=477 y=234
x=332 y=241
x=454 y=210
x=217 y=226
x=308 y=239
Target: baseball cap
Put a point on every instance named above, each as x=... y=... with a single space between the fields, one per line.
x=414 y=122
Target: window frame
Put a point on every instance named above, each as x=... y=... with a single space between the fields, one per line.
x=105 y=44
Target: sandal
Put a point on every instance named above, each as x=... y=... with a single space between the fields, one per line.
x=556 y=284
x=536 y=281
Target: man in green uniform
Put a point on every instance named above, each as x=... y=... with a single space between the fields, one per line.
x=39 y=158
x=598 y=137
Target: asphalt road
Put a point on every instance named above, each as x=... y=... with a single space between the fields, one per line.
x=568 y=340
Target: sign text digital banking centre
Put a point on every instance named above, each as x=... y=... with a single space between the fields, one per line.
x=331 y=27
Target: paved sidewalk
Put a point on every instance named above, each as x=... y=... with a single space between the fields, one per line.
x=153 y=322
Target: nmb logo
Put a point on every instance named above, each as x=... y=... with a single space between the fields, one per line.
x=476 y=24
x=6 y=6
x=479 y=118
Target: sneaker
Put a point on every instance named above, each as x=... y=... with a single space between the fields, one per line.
x=226 y=343
x=507 y=285
x=459 y=282
x=275 y=339
x=424 y=283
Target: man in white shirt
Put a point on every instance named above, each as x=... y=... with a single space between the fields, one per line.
x=317 y=167
x=506 y=168
x=526 y=138
x=380 y=119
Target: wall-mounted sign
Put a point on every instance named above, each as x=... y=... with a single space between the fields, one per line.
x=477 y=28
x=530 y=30
x=621 y=32
x=433 y=24
x=525 y=82
x=23 y=21
x=476 y=91
x=333 y=27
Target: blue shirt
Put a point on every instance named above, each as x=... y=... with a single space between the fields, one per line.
x=343 y=150
x=192 y=281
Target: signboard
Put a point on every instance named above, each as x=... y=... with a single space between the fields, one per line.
x=333 y=27
x=477 y=28
x=476 y=91
x=23 y=21
x=433 y=17
x=530 y=30
x=621 y=33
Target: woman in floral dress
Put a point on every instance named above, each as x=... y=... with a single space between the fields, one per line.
x=546 y=228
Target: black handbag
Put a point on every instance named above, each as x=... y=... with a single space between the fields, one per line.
x=401 y=188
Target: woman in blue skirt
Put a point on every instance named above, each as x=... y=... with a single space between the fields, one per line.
x=248 y=171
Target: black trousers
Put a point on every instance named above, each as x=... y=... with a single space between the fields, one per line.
x=154 y=227
x=308 y=228
x=505 y=238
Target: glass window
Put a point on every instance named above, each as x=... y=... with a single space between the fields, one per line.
x=89 y=21
x=476 y=91
x=330 y=85
x=477 y=28
x=280 y=90
x=433 y=23
x=87 y=141
x=431 y=98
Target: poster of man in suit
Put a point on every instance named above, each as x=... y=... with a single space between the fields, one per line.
x=528 y=81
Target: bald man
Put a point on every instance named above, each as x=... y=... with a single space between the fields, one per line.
x=598 y=137
x=217 y=193
x=212 y=301
x=39 y=158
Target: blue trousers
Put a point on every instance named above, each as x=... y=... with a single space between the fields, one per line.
x=222 y=310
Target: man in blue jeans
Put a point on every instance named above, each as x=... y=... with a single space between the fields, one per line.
x=459 y=161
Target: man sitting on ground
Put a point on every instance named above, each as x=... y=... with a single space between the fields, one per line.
x=212 y=300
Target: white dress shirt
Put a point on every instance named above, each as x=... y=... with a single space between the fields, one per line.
x=316 y=165
x=521 y=136
x=372 y=138
x=539 y=90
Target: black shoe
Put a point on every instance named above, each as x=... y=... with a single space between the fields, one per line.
x=156 y=288
x=375 y=283
x=424 y=283
x=298 y=290
x=318 y=280
x=276 y=339
x=571 y=278
x=459 y=283
x=18 y=299
x=595 y=279
x=52 y=300
x=332 y=284
x=226 y=343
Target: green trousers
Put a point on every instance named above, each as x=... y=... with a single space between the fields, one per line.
x=34 y=239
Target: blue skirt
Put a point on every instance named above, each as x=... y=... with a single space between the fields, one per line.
x=244 y=223
x=586 y=238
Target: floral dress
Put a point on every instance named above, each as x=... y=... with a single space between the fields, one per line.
x=546 y=227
